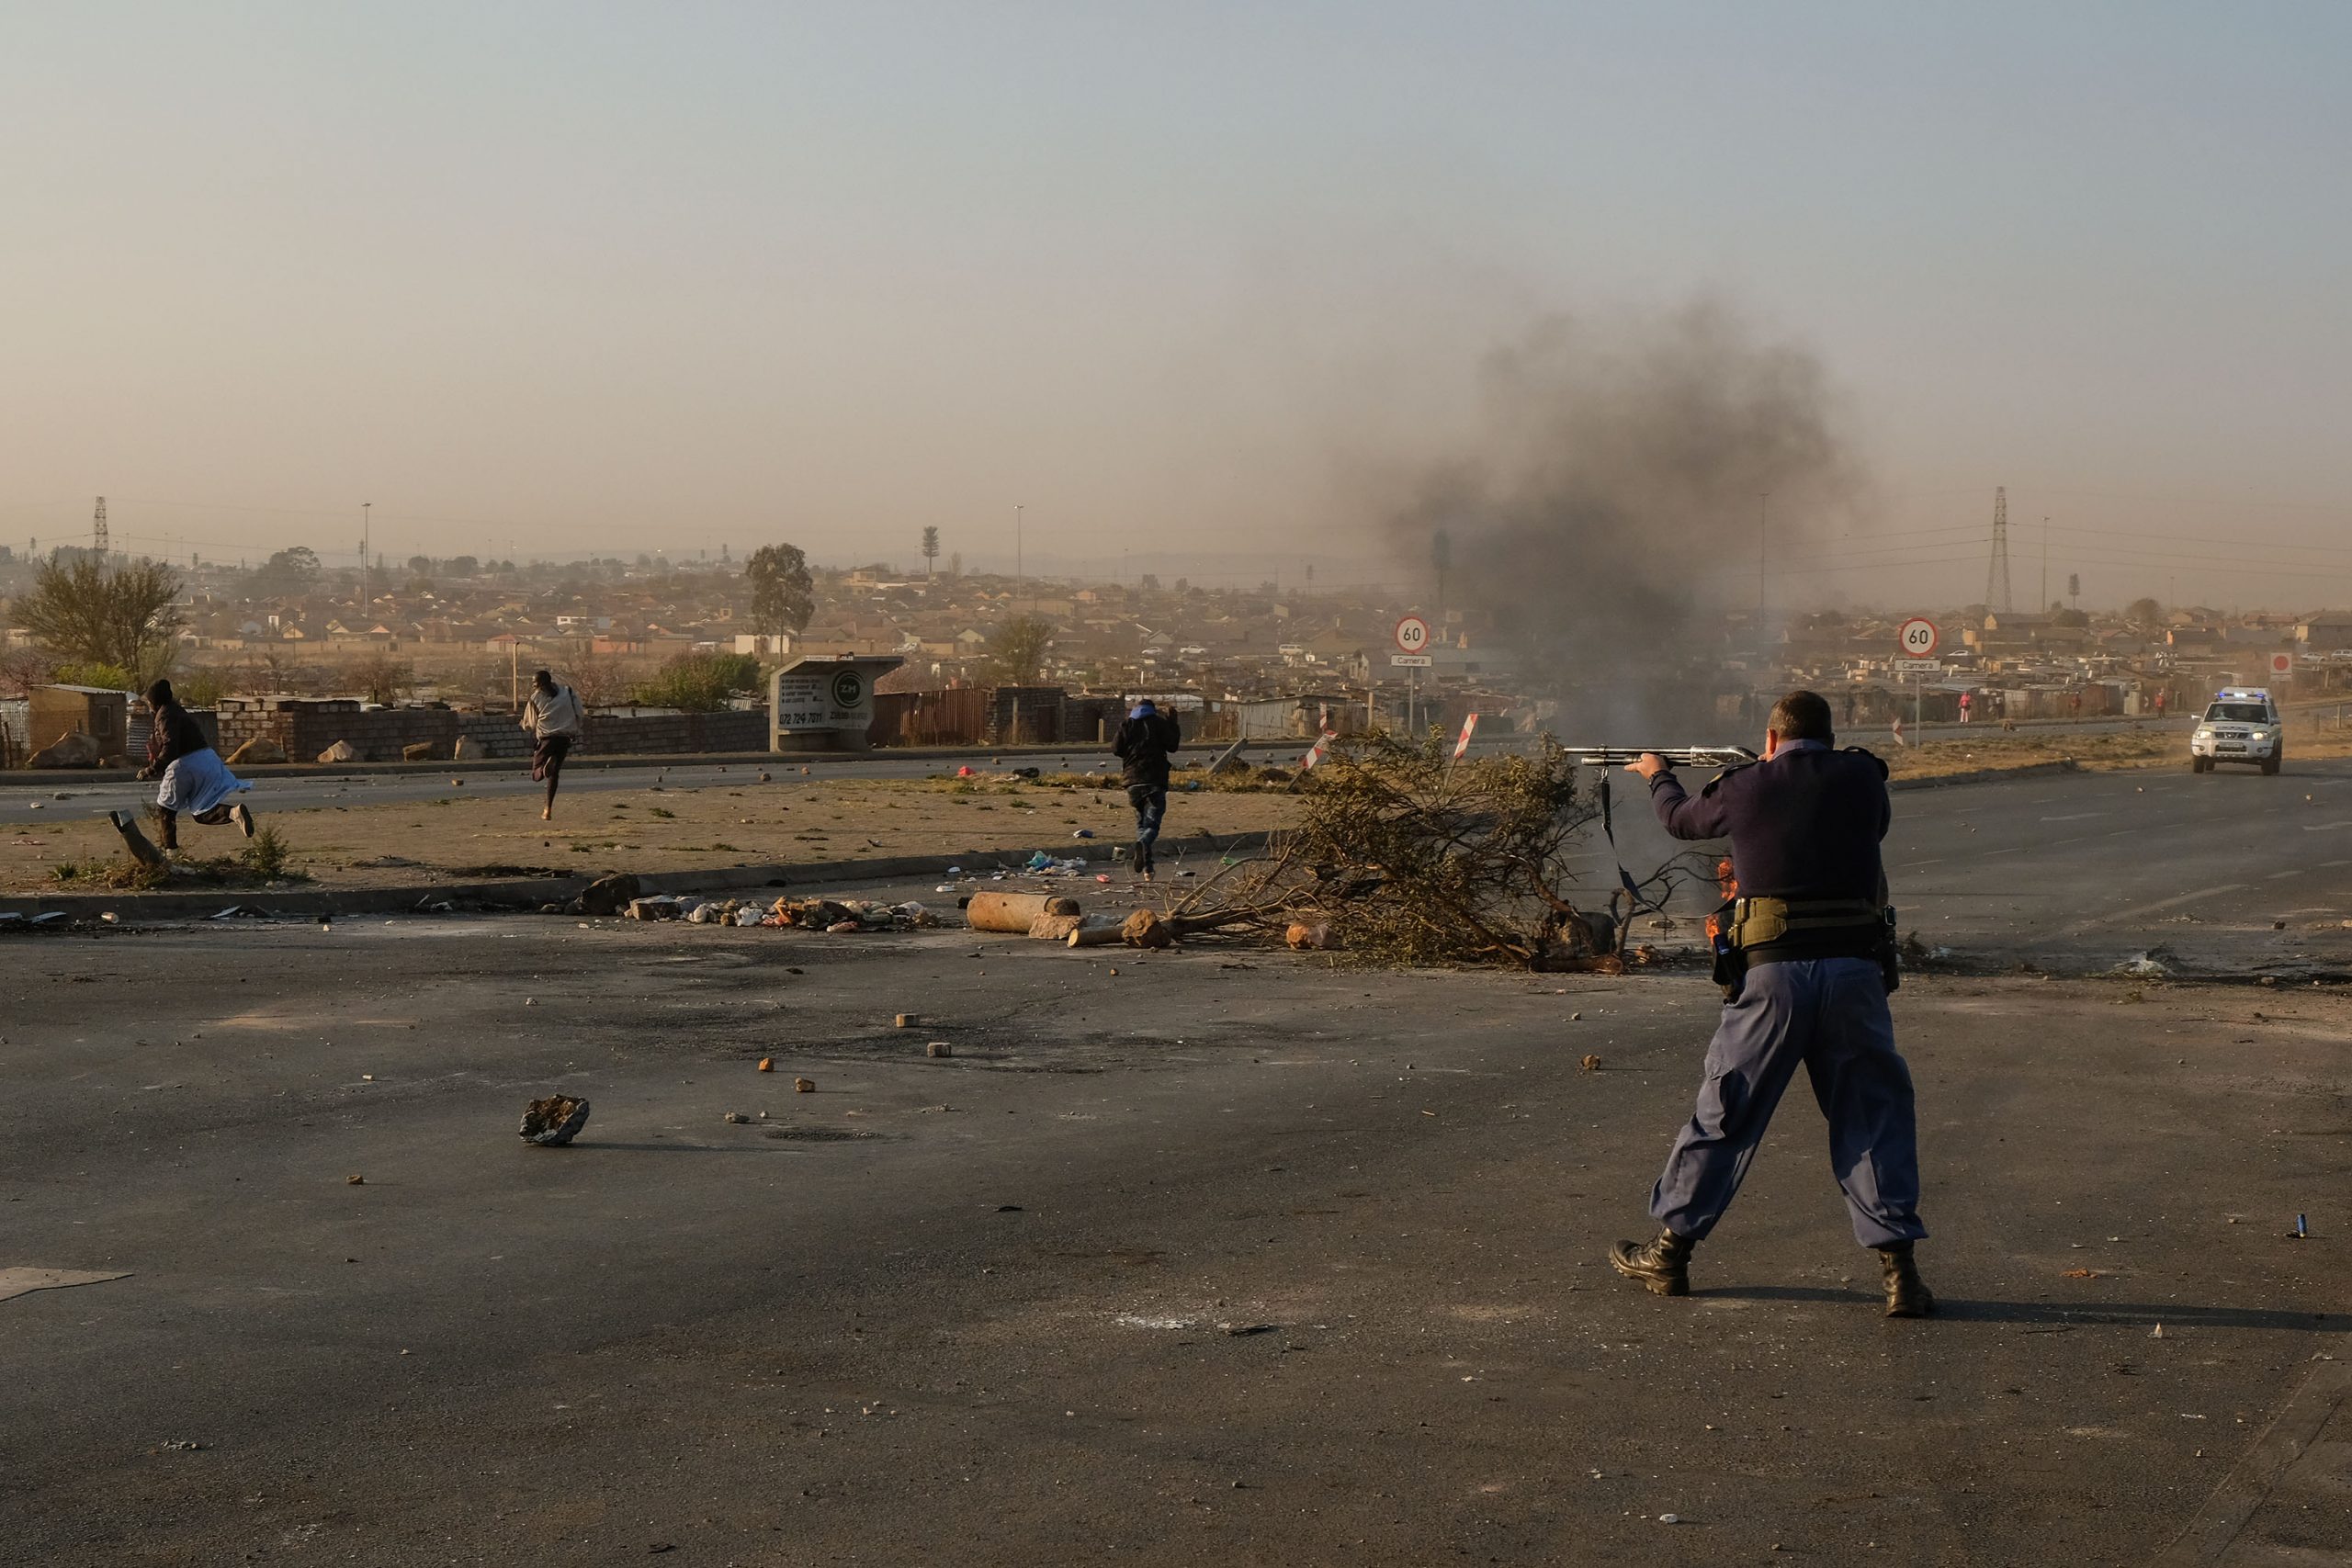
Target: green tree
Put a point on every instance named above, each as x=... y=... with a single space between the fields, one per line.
x=929 y=550
x=2144 y=613
x=420 y=566
x=288 y=573
x=698 y=683
x=96 y=612
x=783 y=594
x=1018 y=650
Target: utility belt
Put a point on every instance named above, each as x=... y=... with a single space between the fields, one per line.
x=1766 y=930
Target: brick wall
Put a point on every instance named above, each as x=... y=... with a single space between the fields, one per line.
x=310 y=729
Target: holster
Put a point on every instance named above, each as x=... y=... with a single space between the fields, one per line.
x=1777 y=929
x=1730 y=970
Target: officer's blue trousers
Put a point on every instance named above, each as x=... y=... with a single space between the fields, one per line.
x=1831 y=1015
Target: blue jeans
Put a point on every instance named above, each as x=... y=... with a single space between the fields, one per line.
x=1150 y=802
x=1829 y=1014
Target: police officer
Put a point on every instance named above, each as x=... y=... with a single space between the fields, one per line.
x=1806 y=959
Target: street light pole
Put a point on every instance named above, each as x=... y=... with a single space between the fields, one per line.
x=1020 y=578
x=367 y=548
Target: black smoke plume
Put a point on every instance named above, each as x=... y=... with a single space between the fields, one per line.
x=1604 y=520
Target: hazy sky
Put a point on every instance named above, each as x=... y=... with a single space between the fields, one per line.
x=577 y=277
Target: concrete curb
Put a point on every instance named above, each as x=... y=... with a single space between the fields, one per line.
x=532 y=892
x=1990 y=776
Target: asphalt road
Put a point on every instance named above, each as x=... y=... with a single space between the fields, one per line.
x=2089 y=870
x=1228 y=1257
x=976 y=1310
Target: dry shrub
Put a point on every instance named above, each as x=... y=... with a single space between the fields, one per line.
x=1403 y=855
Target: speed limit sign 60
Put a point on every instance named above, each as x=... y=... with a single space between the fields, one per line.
x=1412 y=633
x=1918 y=637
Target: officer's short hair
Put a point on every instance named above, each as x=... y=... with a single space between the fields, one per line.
x=1802 y=716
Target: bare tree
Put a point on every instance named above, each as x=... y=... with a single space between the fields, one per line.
x=597 y=677
x=382 y=678
x=1019 y=649
x=22 y=668
x=122 y=616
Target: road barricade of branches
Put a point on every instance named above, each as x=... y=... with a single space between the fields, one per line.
x=1403 y=855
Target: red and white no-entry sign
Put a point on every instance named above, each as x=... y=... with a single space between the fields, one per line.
x=2282 y=664
x=1412 y=633
x=1918 y=637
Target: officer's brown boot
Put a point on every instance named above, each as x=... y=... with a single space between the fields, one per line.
x=1662 y=1266
x=1907 y=1294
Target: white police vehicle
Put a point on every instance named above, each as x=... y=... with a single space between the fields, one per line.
x=2240 y=724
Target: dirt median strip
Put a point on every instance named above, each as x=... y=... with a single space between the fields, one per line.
x=458 y=837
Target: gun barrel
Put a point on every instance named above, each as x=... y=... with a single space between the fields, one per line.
x=1686 y=756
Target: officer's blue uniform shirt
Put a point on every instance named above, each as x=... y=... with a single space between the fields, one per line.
x=1804 y=825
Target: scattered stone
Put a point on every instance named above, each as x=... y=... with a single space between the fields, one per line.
x=608 y=895
x=1589 y=1063
x=1308 y=937
x=555 y=1121
x=804 y=1086
x=939 y=1048
x=418 y=751
x=844 y=928
x=1145 y=928
x=260 y=749
x=71 y=749
x=354 y=1181
x=906 y=1020
x=342 y=751
x=736 y=1116
x=660 y=906
x=768 y=1064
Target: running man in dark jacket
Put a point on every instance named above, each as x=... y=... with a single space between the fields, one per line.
x=1143 y=744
